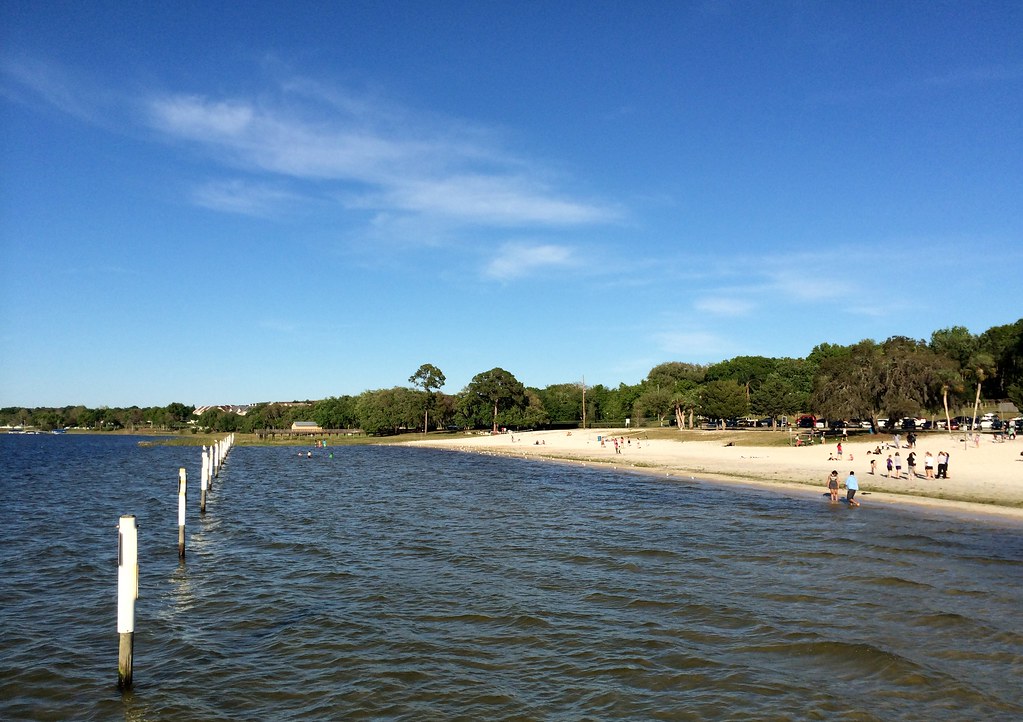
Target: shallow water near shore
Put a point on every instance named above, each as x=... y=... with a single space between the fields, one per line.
x=403 y=583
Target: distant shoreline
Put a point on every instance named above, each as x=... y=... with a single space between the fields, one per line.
x=986 y=481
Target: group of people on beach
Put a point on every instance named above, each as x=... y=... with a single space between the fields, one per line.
x=618 y=441
x=893 y=469
x=893 y=465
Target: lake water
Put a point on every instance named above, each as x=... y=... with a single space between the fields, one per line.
x=415 y=584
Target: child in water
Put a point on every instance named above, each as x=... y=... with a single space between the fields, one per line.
x=833 y=486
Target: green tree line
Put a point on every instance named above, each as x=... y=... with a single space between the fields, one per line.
x=952 y=371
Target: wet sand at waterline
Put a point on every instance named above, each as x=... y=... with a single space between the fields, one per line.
x=986 y=479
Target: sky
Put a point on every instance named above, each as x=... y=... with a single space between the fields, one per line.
x=228 y=203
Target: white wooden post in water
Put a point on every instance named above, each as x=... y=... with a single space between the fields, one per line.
x=204 y=480
x=127 y=593
x=182 y=497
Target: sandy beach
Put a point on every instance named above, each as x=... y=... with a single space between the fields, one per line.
x=983 y=479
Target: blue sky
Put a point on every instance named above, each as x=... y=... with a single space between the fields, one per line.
x=242 y=202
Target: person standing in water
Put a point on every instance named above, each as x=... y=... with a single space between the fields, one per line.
x=851 y=487
x=833 y=486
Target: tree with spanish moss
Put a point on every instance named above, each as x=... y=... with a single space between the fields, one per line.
x=896 y=377
x=429 y=379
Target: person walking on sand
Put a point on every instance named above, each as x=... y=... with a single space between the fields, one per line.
x=942 y=465
x=852 y=485
x=890 y=465
x=873 y=466
x=911 y=465
x=898 y=466
x=928 y=465
x=833 y=486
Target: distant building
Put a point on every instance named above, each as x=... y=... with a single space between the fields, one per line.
x=308 y=426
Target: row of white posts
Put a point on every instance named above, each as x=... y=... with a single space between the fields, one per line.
x=128 y=558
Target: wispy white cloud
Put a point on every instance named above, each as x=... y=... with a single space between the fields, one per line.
x=192 y=117
x=495 y=200
x=724 y=306
x=421 y=169
x=29 y=81
x=239 y=196
x=520 y=259
x=951 y=80
x=301 y=141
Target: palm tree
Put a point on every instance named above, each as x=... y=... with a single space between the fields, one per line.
x=981 y=367
x=685 y=400
x=950 y=380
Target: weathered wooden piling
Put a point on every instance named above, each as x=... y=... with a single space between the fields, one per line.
x=182 y=499
x=204 y=480
x=127 y=593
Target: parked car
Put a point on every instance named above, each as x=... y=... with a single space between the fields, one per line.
x=986 y=421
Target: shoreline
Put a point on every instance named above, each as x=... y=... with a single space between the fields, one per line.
x=980 y=474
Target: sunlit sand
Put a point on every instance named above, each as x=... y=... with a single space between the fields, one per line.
x=985 y=478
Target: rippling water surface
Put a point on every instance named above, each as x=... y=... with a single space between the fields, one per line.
x=414 y=584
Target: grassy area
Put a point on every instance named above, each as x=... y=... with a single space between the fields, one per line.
x=744 y=437
x=190 y=439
